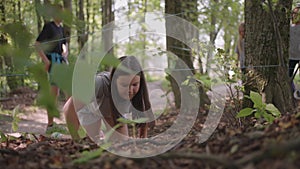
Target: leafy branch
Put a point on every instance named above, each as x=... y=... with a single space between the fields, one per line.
x=260 y=109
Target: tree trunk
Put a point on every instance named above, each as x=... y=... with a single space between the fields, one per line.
x=67 y=29
x=8 y=61
x=266 y=49
x=178 y=48
x=107 y=34
x=81 y=28
x=213 y=33
x=39 y=20
x=3 y=40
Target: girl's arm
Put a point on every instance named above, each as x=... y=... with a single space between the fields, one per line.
x=143 y=130
x=93 y=130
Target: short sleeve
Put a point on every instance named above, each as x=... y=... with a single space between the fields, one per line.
x=89 y=114
x=101 y=86
x=43 y=36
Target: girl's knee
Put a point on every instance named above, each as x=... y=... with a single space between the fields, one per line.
x=68 y=107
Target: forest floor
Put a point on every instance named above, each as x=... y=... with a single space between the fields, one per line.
x=236 y=143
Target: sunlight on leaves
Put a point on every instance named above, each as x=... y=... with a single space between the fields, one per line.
x=272 y=109
x=256 y=98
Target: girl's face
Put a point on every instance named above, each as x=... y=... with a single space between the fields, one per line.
x=128 y=86
x=242 y=31
x=295 y=16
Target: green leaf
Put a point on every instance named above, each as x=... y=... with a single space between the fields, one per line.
x=19 y=33
x=45 y=98
x=89 y=155
x=245 y=112
x=248 y=97
x=273 y=110
x=110 y=132
x=185 y=83
x=3 y=137
x=62 y=77
x=268 y=117
x=141 y=120
x=125 y=121
x=256 y=98
x=257 y=114
x=110 y=60
x=16 y=119
x=128 y=121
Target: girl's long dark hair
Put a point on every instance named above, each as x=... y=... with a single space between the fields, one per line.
x=129 y=65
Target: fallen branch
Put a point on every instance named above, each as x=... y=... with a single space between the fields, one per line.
x=222 y=160
x=271 y=152
x=9 y=151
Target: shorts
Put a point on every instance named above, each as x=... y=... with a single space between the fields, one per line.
x=54 y=58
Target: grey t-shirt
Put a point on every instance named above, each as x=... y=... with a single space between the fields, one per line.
x=295 y=42
x=100 y=106
x=241 y=53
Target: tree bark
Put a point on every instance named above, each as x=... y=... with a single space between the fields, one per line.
x=3 y=41
x=180 y=49
x=8 y=59
x=107 y=34
x=39 y=20
x=81 y=28
x=266 y=49
x=67 y=29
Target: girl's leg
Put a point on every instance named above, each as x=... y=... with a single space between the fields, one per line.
x=71 y=118
x=54 y=92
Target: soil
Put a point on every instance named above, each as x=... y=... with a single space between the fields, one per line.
x=236 y=143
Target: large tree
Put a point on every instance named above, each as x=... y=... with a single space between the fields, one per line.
x=183 y=10
x=266 y=49
x=8 y=63
x=67 y=27
x=81 y=26
x=176 y=46
x=107 y=18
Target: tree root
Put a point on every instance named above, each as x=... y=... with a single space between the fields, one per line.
x=272 y=151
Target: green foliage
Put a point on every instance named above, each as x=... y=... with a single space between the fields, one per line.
x=110 y=133
x=226 y=16
x=49 y=11
x=19 y=37
x=226 y=67
x=261 y=110
x=89 y=155
x=191 y=83
x=45 y=98
x=132 y=123
x=3 y=137
x=229 y=74
x=62 y=77
x=203 y=79
x=16 y=118
x=82 y=132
